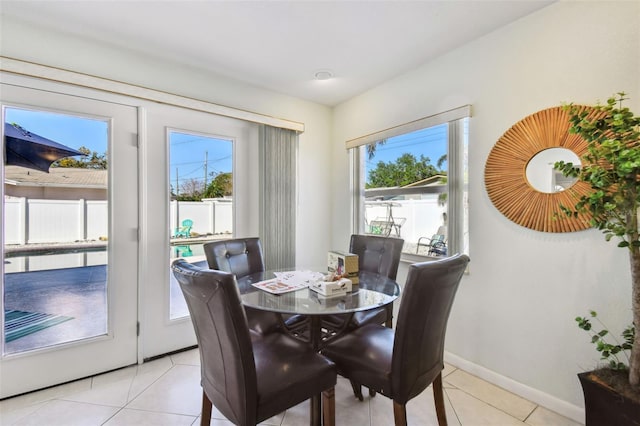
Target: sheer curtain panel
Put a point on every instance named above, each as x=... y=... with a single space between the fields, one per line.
x=278 y=176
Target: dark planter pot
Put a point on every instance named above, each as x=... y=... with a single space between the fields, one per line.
x=606 y=407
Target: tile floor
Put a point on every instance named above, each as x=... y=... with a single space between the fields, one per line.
x=167 y=391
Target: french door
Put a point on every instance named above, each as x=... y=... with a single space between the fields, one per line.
x=200 y=182
x=83 y=215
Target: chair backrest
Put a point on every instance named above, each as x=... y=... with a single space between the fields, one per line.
x=187 y=223
x=436 y=239
x=418 y=348
x=377 y=254
x=226 y=354
x=240 y=256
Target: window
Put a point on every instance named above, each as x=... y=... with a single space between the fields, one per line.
x=201 y=200
x=44 y=203
x=411 y=182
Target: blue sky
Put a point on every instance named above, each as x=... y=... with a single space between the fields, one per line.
x=187 y=152
x=430 y=142
x=68 y=130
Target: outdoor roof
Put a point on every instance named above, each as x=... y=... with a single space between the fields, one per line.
x=57 y=176
x=432 y=180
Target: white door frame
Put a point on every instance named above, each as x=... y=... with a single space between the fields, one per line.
x=159 y=333
x=26 y=371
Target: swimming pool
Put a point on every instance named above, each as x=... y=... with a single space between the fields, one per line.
x=54 y=258
x=75 y=257
x=187 y=250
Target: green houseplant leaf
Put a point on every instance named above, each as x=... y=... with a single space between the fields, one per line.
x=611 y=167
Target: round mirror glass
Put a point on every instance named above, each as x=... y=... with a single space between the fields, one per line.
x=543 y=177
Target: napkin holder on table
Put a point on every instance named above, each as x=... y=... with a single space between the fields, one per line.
x=332 y=288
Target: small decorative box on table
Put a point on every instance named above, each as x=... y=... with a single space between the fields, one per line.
x=344 y=264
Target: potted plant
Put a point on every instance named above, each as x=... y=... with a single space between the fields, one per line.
x=612 y=169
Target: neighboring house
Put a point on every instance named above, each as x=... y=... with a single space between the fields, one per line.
x=58 y=184
x=434 y=182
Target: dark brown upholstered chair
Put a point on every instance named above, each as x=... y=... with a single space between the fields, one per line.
x=380 y=255
x=401 y=364
x=248 y=377
x=242 y=256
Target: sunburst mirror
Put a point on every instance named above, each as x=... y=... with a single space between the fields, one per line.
x=520 y=178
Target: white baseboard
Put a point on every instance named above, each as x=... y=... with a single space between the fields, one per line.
x=545 y=400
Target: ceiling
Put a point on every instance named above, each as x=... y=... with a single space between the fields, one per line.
x=280 y=45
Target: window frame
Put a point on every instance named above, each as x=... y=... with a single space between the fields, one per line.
x=457 y=173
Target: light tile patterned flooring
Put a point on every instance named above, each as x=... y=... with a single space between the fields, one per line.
x=167 y=391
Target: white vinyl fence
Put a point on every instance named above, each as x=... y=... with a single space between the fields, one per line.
x=412 y=218
x=29 y=221
x=208 y=216
x=32 y=221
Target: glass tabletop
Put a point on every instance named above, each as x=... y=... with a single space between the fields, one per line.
x=373 y=291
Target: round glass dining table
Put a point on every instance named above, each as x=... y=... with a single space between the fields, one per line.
x=372 y=291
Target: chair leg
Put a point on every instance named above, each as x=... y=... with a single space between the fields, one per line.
x=389 y=321
x=389 y=324
x=438 y=397
x=400 y=414
x=357 y=390
x=329 y=407
x=205 y=417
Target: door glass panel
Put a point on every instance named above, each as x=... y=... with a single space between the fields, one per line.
x=201 y=200
x=55 y=229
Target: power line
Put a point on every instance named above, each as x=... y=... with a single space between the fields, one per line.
x=197 y=139
x=216 y=160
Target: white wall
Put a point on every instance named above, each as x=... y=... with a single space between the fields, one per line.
x=37 y=44
x=513 y=320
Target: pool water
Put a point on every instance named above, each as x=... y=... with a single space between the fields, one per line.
x=187 y=250
x=44 y=260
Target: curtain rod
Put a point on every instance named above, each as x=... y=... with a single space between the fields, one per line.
x=421 y=123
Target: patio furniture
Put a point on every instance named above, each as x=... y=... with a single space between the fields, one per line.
x=397 y=225
x=380 y=226
x=184 y=230
x=398 y=364
x=436 y=245
x=26 y=149
x=248 y=378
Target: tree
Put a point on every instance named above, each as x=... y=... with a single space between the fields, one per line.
x=90 y=160
x=612 y=168
x=220 y=186
x=404 y=171
x=371 y=148
x=190 y=190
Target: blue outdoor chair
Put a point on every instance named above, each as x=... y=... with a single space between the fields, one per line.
x=184 y=230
